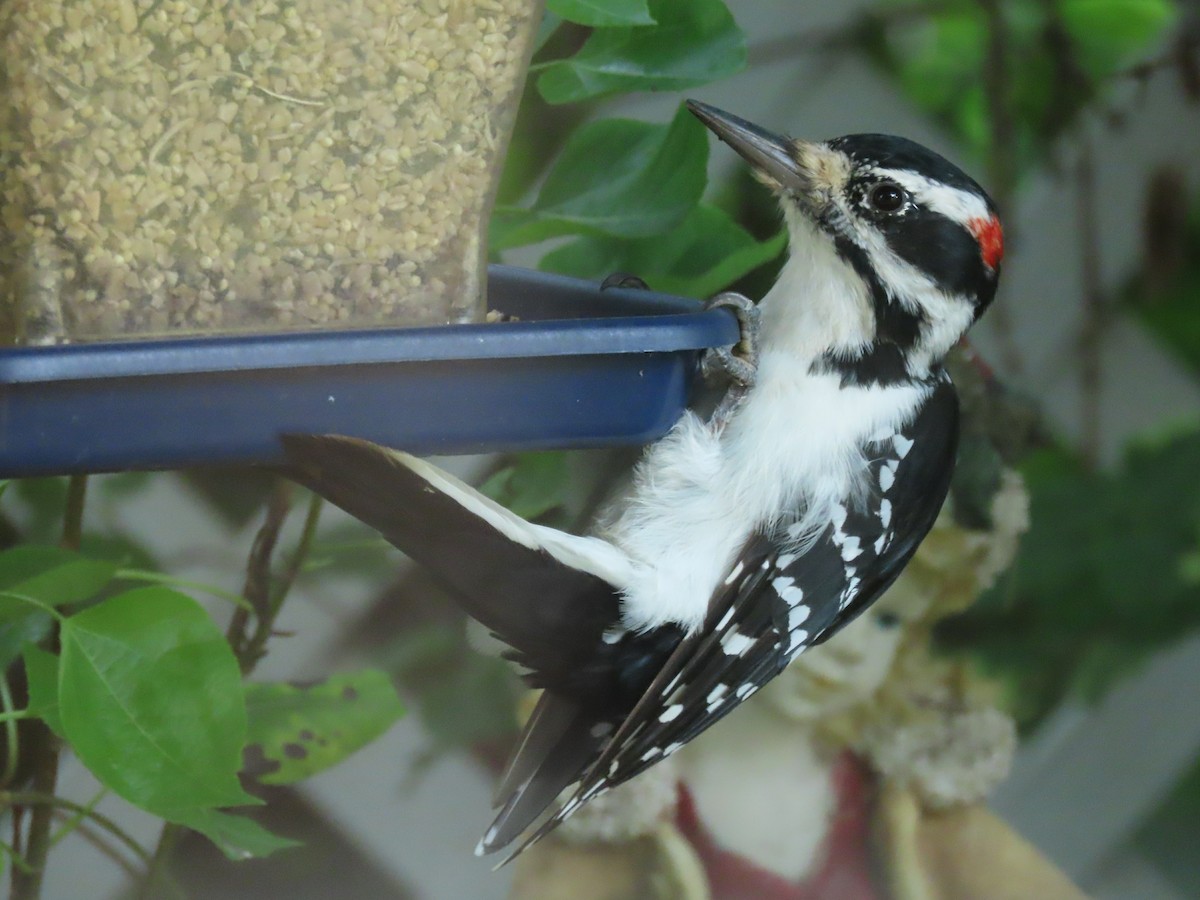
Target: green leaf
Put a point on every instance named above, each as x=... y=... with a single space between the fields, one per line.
x=300 y=731
x=151 y=699
x=1098 y=585
x=47 y=576
x=693 y=43
x=601 y=13
x=351 y=548
x=16 y=634
x=237 y=837
x=118 y=549
x=1109 y=34
x=707 y=252
x=41 y=673
x=618 y=177
x=1168 y=838
x=546 y=29
x=532 y=485
x=941 y=56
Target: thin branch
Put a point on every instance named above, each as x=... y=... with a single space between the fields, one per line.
x=43 y=745
x=73 y=515
x=1092 y=329
x=77 y=817
x=301 y=553
x=157 y=874
x=12 y=746
x=1001 y=158
x=38 y=800
x=160 y=578
x=256 y=646
x=95 y=837
x=257 y=586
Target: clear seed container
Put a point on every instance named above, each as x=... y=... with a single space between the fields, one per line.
x=172 y=167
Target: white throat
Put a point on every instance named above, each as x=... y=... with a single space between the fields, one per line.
x=818 y=303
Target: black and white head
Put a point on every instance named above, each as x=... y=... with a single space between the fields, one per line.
x=921 y=235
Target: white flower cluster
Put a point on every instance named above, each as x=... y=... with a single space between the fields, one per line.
x=948 y=758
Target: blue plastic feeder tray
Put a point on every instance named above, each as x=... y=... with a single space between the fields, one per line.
x=579 y=367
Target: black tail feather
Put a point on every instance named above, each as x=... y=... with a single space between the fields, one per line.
x=557 y=745
x=549 y=611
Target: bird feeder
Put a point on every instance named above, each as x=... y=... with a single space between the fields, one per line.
x=206 y=205
x=186 y=167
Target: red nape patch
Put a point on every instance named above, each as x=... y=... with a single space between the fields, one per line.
x=991 y=240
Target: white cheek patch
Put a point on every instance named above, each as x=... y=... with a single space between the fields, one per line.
x=947 y=316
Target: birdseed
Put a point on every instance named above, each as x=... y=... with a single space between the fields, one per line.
x=177 y=166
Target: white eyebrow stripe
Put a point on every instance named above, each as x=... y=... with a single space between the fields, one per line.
x=953 y=203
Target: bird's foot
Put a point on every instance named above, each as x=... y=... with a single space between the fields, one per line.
x=624 y=280
x=738 y=364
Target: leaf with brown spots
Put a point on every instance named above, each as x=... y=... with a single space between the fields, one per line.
x=297 y=731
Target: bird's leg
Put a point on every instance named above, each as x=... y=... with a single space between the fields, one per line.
x=736 y=366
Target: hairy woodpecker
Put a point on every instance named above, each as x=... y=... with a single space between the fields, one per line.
x=742 y=541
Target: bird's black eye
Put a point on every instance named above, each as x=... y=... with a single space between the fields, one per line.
x=886 y=197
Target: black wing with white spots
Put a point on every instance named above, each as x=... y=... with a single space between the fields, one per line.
x=773 y=605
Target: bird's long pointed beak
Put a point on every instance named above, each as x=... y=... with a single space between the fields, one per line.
x=771 y=155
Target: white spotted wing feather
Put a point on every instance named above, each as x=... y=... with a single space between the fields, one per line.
x=774 y=604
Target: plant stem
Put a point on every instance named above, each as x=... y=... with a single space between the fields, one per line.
x=1091 y=332
x=160 y=578
x=1001 y=158
x=157 y=870
x=14 y=715
x=12 y=745
x=257 y=586
x=43 y=748
x=88 y=832
x=300 y=554
x=38 y=800
x=73 y=517
x=255 y=647
x=42 y=744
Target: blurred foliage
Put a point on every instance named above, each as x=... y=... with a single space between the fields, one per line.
x=464 y=698
x=1102 y=579
x=674 y=46
x=1011 y=76
x=1169 y=838
x=532 y=485
x=1109 y=572
x=641 y=211
x=1166 y=295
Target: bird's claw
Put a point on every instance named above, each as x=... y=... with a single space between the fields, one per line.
x=624 y=280
x=738 y=364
